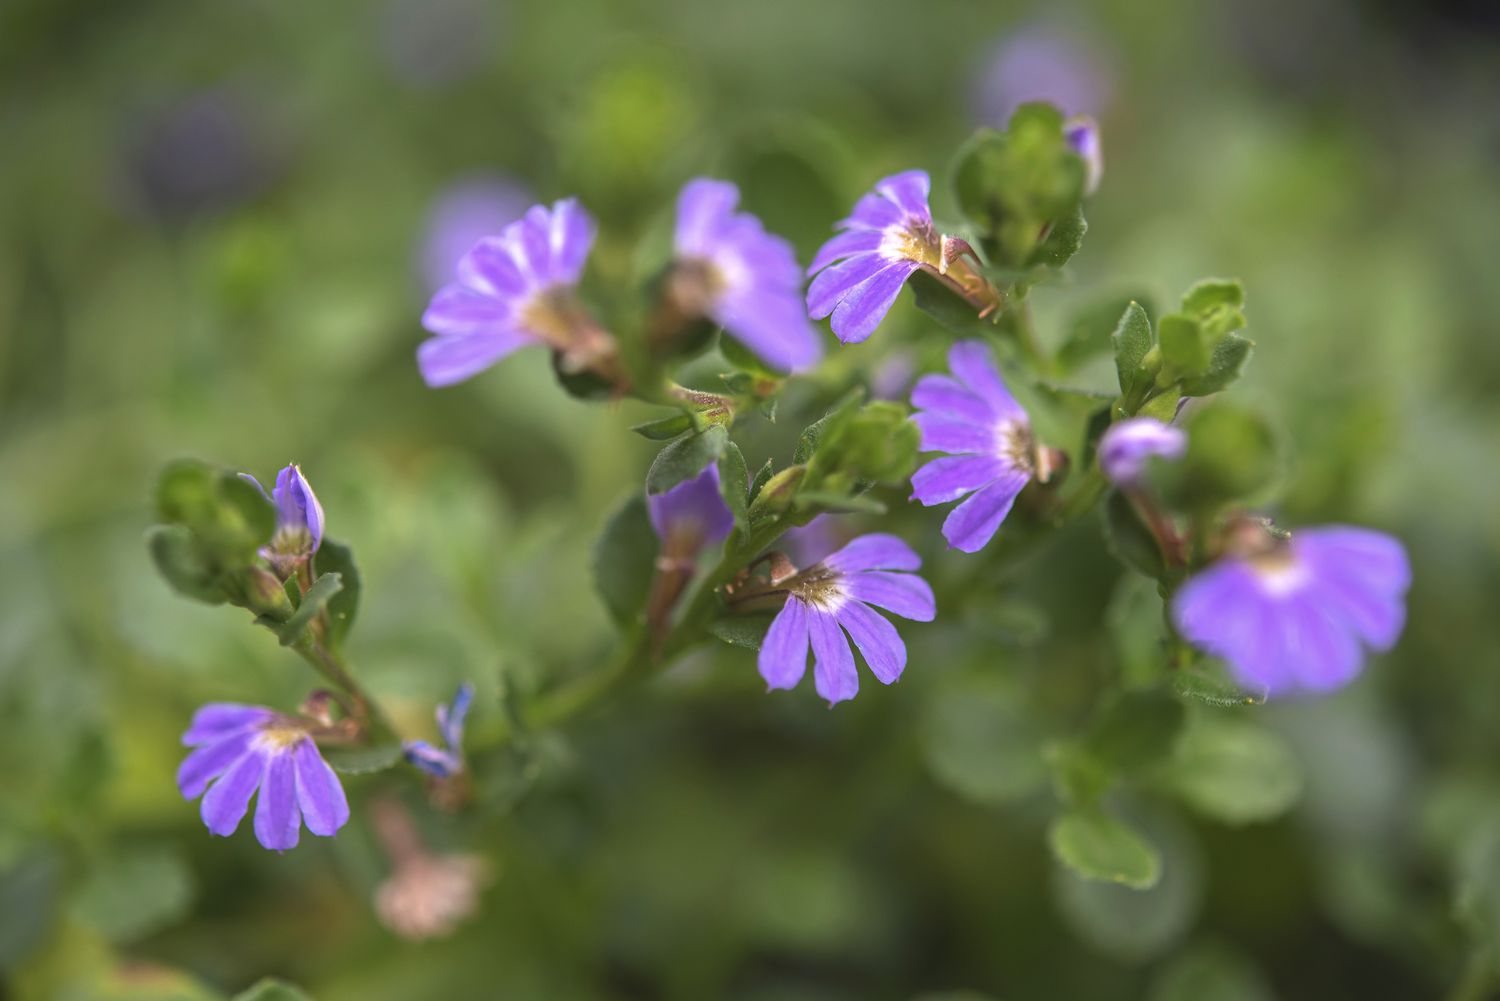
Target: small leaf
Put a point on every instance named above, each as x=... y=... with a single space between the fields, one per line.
x=313 y=602
x=761 y=479
x=1098 y=846
x=1231 y=455
x=734 y=484
x=1224 y=368
x=334 y=557
x=776 y=495
x=363 y=760
x=1063 y=240
x=951 y=310
x=745 y=631
x=1137 y=729
x=1234 y=770
x=666 y=428
x=1079 y=777
x=1217 y=304
x=1132 y=339
x=1211 y=686
x=807 y=442
x=979 y=740
x=685 y=458
x=1185 y=346
x=271 y=989
x=183 y=565
x=1162 y=406
x=1087 y=331
x=625 y=561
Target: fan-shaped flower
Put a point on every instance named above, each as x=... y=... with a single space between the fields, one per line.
x=1125 y=447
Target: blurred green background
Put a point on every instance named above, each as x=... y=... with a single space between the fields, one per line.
x=216 y=226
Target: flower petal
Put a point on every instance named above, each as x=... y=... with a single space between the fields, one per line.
x=210 y=761
x=944 y=395
x=835 y=282
x=909 y=190
x=974 y=365
x=1224 y=611
x=941 y=433
x=875 y=551
x=845 y=244
x=694 y=506
x=227 y=799
x=953 y=476
x=490 y=271
x=783 y=653
x=432 y=760
x=444 y=361
x=905 y=594
x=1320 y=649
x=703 y=207
x=571 y=235
x=319 y=793
x=456 y=311
x=1362 y=575
x=1125 y=447
x=861 y=310
x=450 y=718
x=774 y=326
x=974 y=523
x=277 y=822
x=833 y=662
x=219 y=719
x=877 y=639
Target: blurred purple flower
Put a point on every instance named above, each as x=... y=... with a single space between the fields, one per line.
x=467 y=212
x=1042 y=62
x=807 y=544
x=892 y=379
x=1295 y=614
x=448 y=760
x=833 y=597
x=1082 y=133
x=243 y=748
x=299 y=519
x=992 y=454
x=511 y=292
x=1125 y=447
x=745 y=279
x=690 y=516
x=860 y=271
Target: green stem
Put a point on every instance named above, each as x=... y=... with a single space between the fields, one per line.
x=331 y=666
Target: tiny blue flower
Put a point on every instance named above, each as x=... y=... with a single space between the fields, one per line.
x=299 y=520
x=448 y=760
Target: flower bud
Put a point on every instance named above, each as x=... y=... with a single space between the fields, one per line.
x=1082 y=133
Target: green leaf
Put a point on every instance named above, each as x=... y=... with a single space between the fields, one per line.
x=227 y=514
x=1234 y=770
x=1063 y=240
x=183 y=564
x=1137 y=729
x=1162 y=406
x=1211 y=685
x=1224 y=367
x=951 y=310
x=878 y=443
x=271 y=989
x=979 y=739
x=1217 y=304
x=1185 y=346
x=363 y=760
x=685 y=458
x=185 y=492
x=746 y=360
x=1079 y=777
x=1088 y=330
x=775 y=497
x=761 y=479
x=1231 y=455
x=1209 y=973
x=1129 y=537
x=334 y=557
x=250 y=507
x=1097 y=846
x=744 y=631
x=313 y=602
x=1138 y=631
x=807 y=442
x=625 y=561
x=734 y=484
x=134 y=894
x=666 y=428
x=1132 y=340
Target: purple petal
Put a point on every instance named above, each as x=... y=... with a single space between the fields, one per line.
x=703 y=208
x=450 y=718
x=945 y=396
x=432 y=760
x=909 y=190
x=874 y=211
x=1224 y=611
x=974 y=522
x=1361 y=575
x=861 y=310
x=1126 y=446
x=774 y=326
x=974 y=366
x=456 y=311
x=227 y=799
x=941 y=433
x=277 y=822
x=319 y=794
x=210 y=761
x=783 y=653
x=444 y=361
x=571 y=234
x=876 y=551
x=904 y=594
x=533 y=235
x=877 y=639
x=490 y=271
x=951 y=477
x=297 y=505
x=833 y=283
x=853 y=241
x=219 y=719
x=694 y=507
x=833 y=662
x=1320 y=650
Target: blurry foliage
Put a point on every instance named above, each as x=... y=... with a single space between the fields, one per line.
x=210 y=218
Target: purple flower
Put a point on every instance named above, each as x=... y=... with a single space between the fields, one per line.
x=991 y=451
x=807 y=544
x=861 y=270
x=512 y=290
x=448 y=760
x=838 y=592
x=690 y=516
x=1043 y=62
x=244 y=748
x=1126 y=446
x=299 y=519
x=468 y=211
x=1295 y=614
x=1082 y=133
x=742 y=277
